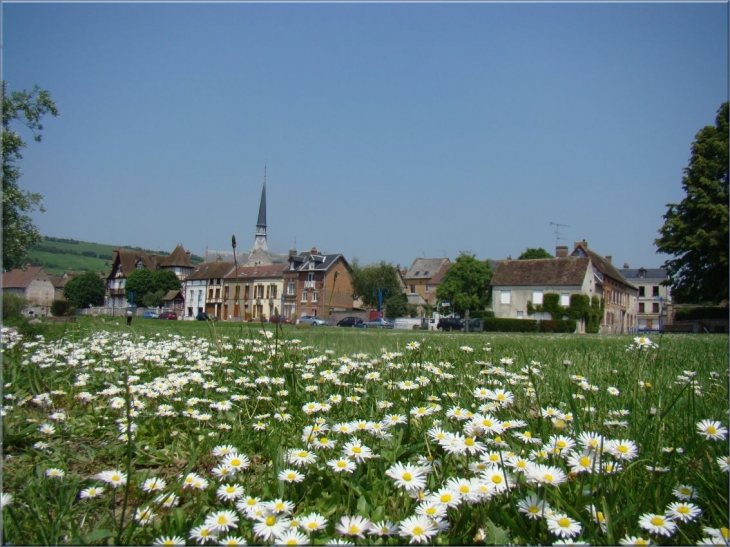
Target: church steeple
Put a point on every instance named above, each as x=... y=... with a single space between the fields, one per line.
x=260 y=253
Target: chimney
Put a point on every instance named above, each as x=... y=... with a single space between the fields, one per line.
x=314 y=251
x=292 y=252
x=577 y=243
x=626 y=266
x=608 y=258
x=561 y=251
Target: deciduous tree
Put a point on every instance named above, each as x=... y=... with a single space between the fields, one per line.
x=531 y=253
x=19 y=232
x=466 y=284
x=366 y=280
x=85 y=289
x=166 y=280
x=140 y=282
x=695 y=231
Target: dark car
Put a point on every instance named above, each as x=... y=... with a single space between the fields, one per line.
x=377 y=324
x=349 y=322
x=450 y=323
x=280 y=319
x=202 y=316
x=168 y=315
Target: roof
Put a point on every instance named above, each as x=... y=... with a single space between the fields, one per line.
x=602 y=263
x=313 y=261
x=211 y=270
x=128 y=260
x=438 y=277
x=179 y=257
x=541 y=271
x=425 y=268
x=172 y=295
x=20 y=279
x=258 y=272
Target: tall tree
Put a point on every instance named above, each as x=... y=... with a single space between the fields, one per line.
x=531 y=253
x=695 y=230
x=85 y=289
x=19 y=232
x=466 y=284
x=140 y=282
x=368 y=279
x=166 y=280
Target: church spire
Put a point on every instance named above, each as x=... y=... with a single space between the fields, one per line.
x=259 y=255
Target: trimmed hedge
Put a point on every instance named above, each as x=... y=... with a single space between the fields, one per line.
x=481 y=314
x=492 y=324
x=705 y=312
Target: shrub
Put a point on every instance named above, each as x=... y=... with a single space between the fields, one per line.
x=13 y=304
x=492 y=324
x=61 y=308
x=557 y=325
x=703 y=312
x=482 y=314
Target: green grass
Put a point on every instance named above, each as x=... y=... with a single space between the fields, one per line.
x=271 y=381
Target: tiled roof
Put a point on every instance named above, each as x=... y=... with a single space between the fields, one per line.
x=179 y=257
x=128 y=260
x=20 y=279
x=605 y=267
x=318 y=261
x=541 y=271
x=258 y=272
x=425 y=268
x=439 y=275
x=211 y=270
x=650 y=273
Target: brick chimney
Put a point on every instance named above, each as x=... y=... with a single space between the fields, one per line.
x=577 y=243
x=561 y=251
x=314 y=251
x=608 y=258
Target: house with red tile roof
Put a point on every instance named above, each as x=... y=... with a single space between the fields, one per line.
x=32 y=283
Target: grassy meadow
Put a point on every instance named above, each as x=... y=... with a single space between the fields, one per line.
x=229 y=434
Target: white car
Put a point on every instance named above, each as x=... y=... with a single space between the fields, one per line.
x=311 y=320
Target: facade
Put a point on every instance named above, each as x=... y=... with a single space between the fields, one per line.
x=315 y=284
x=517 y=282
x=32 y=283
x=202 y=289
x=253 y=293
x=422 y=279
x=619 y=295
x=654 y=301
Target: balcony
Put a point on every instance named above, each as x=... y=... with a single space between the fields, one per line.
x=309 y=284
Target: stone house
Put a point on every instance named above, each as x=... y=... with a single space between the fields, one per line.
x=32 y=283
x=655 y=306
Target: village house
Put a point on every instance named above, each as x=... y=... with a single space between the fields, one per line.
x=316 y=284
x=31 y=283
x=202 y=289
x=518 y=283
x=422 y=279
x=254 y=291
x=655 y=307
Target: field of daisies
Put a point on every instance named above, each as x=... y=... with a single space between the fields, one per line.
x=164 y=435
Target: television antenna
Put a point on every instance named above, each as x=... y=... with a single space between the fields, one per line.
x=557 y=231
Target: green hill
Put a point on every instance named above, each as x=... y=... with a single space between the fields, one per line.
x=58 y=255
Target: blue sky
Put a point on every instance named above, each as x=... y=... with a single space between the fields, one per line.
x=389 y=131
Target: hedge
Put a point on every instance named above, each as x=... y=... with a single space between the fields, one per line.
x=492 y=324
x=705 y=312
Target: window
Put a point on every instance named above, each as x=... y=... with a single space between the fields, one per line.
x=655 y=307
x=537 y=298
x=238 y=292
x=413 y=289
x=655 y=290
x=641 y=307
x=310 y=276
x=504 y=297
x=520 y=315
x=225 y=292
x=210 y=294
x=427 y=287
x=641 y=292
x=304 y=296
x=565 y=299
x=315 y=295
x=273 y=291
x=290 y=288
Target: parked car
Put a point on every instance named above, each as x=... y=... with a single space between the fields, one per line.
x=311 y=320
x=148 y=314
x=450 y=323
x=168 y=315
x=202 y=316
x=281 y=319
x=377 y=324
x=349 y=322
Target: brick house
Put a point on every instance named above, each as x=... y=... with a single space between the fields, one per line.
x=316 y=283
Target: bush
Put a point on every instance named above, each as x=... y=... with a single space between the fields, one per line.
x=557 y=325
x=13 y=304
x=482 y=314
x=704 y=312
x=492 y=324
x=61 y=308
